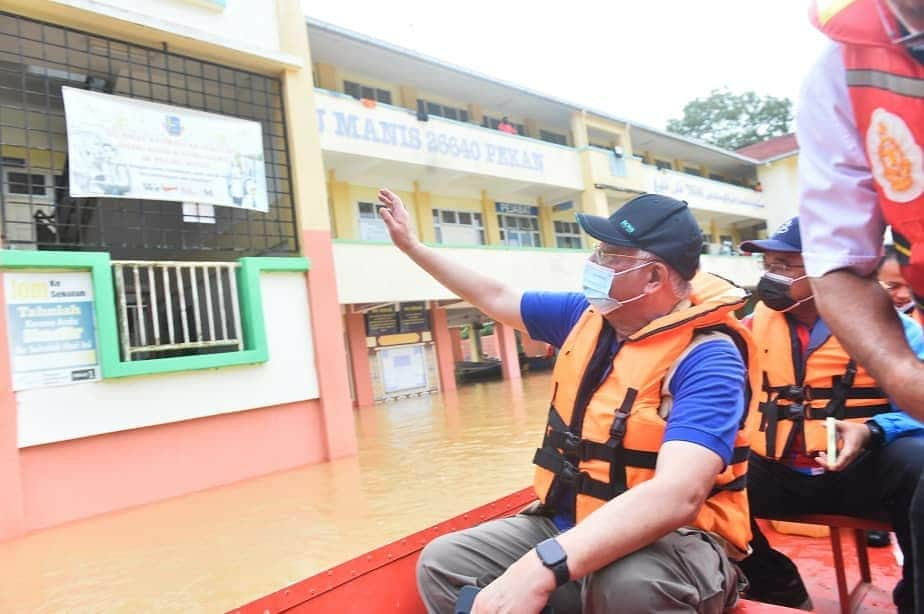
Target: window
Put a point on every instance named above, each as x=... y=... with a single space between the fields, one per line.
x=19 y=184
x=664 y=165
x=371 y=225
x=358 y=91
x=553 y=137
x=441 y=110
x=168 y=310
x=691 y=170
x=567 y=235
x=458 y=227
x=716 y=177
x=491 y=122
x=519 y=230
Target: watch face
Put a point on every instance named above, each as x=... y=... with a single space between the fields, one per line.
x=550 y=552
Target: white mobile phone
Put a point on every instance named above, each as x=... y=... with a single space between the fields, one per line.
x=832 y=440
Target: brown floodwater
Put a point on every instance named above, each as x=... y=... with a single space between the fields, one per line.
x=421 y=460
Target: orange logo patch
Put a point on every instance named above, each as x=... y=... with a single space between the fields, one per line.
x=896 y=158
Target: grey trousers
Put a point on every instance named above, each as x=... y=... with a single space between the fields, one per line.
x=684 y=571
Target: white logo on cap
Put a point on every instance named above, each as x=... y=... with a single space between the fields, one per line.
x=784 y=227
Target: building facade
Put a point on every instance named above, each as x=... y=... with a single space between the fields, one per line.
x=197 y=288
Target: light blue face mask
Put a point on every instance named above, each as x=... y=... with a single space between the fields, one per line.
x=597 y=282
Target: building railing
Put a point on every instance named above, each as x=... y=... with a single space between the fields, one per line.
x=177 y=308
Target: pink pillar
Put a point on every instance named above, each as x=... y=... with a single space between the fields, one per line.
x=12 y=521
x=445 y=355
x=456 y=335
x=359 y=359
x=327 y=329
x=507 y=348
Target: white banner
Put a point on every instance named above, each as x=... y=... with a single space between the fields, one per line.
x=127 y=148
x=390 y=133
x=707 y=194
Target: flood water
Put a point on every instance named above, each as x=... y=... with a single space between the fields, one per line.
x=421 y=461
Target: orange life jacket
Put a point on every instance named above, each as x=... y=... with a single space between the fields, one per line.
x=886 y=86
x=604 y=441
x=799 y=392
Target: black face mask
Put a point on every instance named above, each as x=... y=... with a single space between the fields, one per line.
x=774 y=290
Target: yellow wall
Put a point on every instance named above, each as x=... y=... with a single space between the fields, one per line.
x=344 y=198
x=39 y=159
x=456 y=204
x=781 y=189
x=332 y=78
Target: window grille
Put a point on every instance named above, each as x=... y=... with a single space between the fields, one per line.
x=458 y=227
x=519 y=230
x=567 y=234
x=177 y=308
x=37 y=59
x=553 y=137
x=441 y=110
x=359 y=91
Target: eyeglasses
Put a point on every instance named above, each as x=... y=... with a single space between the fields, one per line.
x=893 y=286
x=610 y=258
x=781 y=268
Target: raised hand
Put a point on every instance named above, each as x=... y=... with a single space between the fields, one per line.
x=397 y=220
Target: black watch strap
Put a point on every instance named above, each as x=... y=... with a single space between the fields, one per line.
x=877 y=435
x=553 y=556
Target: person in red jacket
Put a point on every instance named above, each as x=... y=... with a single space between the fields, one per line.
x=506 y=126
x=860 y=127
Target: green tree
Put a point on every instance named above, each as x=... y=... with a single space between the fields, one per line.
x=733 y=120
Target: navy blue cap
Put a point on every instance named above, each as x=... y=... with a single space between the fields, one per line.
x=785 y=239
x=658 y=224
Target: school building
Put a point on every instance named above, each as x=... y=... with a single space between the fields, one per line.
x=196 y=288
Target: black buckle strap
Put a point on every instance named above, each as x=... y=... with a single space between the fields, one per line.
x=740 y=454
x=823 y=394
x=618 y=428
x=567 y=473
x=851 y=413
x=839 y=388
x=738 y=484
x=583 y=449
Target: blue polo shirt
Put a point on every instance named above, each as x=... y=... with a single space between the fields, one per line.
x=708 y=385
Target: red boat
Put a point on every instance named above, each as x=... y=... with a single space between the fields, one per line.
x=383 y=581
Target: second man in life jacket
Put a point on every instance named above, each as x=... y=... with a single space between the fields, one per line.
x=641 y=469
x=808 y=377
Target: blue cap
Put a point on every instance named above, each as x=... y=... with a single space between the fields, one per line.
x=785 y=239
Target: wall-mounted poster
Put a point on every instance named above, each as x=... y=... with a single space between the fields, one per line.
x=121 y=147
x=404 y=368
x=413 y=317
x=51 y=328
x=382 y=321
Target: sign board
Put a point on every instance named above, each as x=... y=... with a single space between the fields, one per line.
x=404 y=368
x=51 y=328
x=413 y=317
x=128 y=148
x=382 y=321
x=703 y=193
x=391 y=133
x=516 y=209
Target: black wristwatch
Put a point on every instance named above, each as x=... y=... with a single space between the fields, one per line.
x=553 y=556
x=877 y=435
